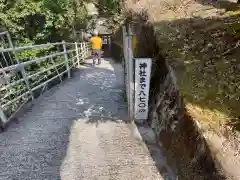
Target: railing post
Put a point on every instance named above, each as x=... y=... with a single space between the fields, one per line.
x=23 y=72
x=84 y=49
x=66 y=58
x=77 y=54
x=3 y=117
x=9 y=40
x=26 y=81
x=81 y=51
x=87 y=49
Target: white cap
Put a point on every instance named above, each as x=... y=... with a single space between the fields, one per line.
x=95 y=32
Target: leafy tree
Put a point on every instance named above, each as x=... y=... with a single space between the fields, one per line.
x=109 y=6
x=41 y=21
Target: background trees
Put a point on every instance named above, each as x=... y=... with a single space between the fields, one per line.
x=41 y=21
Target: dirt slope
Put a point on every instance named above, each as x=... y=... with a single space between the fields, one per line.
x=201 y=40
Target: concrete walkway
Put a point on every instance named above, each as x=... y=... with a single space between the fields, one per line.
x=78 y=130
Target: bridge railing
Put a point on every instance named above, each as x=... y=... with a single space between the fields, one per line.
x=26 y=72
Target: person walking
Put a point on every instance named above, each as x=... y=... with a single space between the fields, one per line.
x=96 y=44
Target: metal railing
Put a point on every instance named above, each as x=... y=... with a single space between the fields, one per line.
x=26 y=72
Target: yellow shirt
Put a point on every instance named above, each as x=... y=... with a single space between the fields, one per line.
x=96 y=42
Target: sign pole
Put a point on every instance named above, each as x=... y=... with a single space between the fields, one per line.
x=131 y=70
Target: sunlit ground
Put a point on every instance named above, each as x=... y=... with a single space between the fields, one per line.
x=204 y=52
x=209 y=118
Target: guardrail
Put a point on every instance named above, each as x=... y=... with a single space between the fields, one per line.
x=23 y=79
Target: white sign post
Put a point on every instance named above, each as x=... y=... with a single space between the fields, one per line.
x=142 y=83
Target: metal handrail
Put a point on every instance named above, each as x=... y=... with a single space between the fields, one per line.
x=3 y=33
x=23 y=64
x=60 y=63
x=29 y=47
x=35 y=46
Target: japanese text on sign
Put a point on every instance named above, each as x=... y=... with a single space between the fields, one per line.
x=142 y=79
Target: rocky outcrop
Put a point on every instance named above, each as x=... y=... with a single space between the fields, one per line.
x=176 y=132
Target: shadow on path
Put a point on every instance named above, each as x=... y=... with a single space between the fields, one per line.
x=77 y=130
x=36 y=147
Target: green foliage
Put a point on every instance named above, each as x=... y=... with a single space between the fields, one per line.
x=110 y=6
x=37 y=22
x=41 y=21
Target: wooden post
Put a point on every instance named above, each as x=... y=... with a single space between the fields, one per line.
x=77 y=54
x=126 y=59
x=66 y=58
x=131 y=73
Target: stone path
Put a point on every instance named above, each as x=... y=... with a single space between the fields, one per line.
x=79 y=130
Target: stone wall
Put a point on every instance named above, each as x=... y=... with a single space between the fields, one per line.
x=165 y=106
x=176 y=131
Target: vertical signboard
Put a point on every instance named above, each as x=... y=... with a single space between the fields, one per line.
x=142 y=83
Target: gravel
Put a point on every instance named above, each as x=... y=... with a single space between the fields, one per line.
x=78 y=130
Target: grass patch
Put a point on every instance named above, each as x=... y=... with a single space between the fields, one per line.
x=205 y=54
